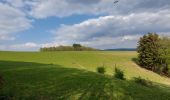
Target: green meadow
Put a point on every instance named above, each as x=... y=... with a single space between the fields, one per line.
x=71 y=75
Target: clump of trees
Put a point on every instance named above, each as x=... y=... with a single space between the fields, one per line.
x=74 y=47
x=154 y=53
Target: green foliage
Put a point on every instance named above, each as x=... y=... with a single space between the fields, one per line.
x=59 y=48
x=89 y=60
x=119 y=74
x=37 y=81
x=75 y=47
x=148 y=50
x=101 y=70
x=165 y=50
x=1 y=82
x=143 y=82
x=150 y=53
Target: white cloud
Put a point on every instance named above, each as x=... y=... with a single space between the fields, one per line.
x=165 y=34
x=25 y=45
x=123 y=24
x=27 y=4
x=110 y=42
x=103 y=42
x=62 y=8
x=6 y=37
x=12 y=21
x=52 y=44
x=131 y=37
x=105 y=30
x=16 y=3
x=29 y=46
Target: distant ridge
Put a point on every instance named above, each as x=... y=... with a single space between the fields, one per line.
x=121 y=49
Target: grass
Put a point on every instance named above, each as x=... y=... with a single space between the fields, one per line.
x=89 y=61
x=71 y=75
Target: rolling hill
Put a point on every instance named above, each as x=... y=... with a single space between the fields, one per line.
x=72 y=75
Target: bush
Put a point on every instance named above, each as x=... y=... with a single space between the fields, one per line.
x=119 y=74
x=101 y=70
x=143 y=82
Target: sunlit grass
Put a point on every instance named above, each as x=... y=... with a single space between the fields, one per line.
x=88 y=61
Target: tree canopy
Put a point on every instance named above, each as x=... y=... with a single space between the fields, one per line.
x=74 y=47
x=152 y=51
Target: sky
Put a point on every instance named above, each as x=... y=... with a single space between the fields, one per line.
x=27 y=25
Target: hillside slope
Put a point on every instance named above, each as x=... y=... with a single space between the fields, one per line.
x=88 y=61
x=36 y=81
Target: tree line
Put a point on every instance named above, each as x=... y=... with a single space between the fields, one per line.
x=74 y=47
x=154 y=53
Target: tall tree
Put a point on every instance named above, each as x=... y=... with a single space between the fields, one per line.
x=149 y=52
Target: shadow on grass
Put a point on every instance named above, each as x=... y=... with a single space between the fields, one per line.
x=135 y=60
x=35 y=81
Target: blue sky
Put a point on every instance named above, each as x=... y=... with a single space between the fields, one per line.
x=27 y=25
x=42 y=27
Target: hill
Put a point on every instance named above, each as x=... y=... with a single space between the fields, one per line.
x=74 y=47
x=121 y=49
x=71 y=75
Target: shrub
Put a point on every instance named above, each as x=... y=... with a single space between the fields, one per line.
x=101 y=70
x=143 y=82
x=119 y=74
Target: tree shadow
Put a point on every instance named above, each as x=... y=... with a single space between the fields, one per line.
x=36 y=81
x=136 y=61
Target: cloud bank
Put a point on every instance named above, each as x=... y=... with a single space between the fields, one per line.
x=106 y=30
x=12 y=21
x=118 y=25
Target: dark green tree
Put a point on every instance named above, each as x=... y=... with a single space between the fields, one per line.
x=77 y=47
x=165 y=53
x=150 y=53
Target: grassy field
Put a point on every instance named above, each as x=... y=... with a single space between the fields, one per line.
x=72 y=75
